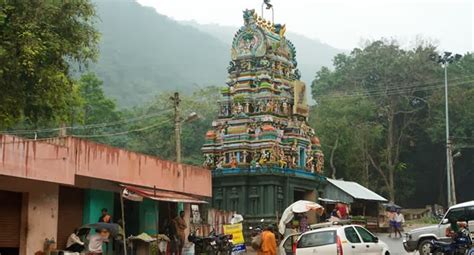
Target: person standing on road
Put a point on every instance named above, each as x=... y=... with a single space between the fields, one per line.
x=399 y=221
x=392 y=224
x=180 y=228
x=269 y=245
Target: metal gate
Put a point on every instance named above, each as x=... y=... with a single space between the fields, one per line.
x=10 y=219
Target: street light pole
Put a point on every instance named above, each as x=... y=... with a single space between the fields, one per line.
x=446 y=59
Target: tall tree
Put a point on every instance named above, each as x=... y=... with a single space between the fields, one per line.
x=39 y=41
x=95 y=115
x=96 y=107
x=160 y=139
x=397 y=83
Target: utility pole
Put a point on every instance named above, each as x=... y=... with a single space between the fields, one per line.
x=177 y=125
x=446 y=59
x=451 y=170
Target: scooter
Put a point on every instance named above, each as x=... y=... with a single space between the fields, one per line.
x=461 y=245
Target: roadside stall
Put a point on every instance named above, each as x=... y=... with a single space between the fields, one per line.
x=142 y=241
x=364 y=205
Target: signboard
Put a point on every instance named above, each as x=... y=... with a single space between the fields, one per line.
x=196 y=215
x=236 y=230
x=130 y=195
x=300 y=106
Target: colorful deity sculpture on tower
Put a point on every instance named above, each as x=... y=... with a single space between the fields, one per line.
x=263 y=116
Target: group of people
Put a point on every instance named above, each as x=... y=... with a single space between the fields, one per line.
x=396 y=221
x=339 y=212
x=94 y=241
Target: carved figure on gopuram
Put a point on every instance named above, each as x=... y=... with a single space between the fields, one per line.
x=264 y=112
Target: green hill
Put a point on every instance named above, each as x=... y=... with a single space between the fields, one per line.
x=143 y=52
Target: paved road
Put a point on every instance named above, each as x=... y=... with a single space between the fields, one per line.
x=395 y=244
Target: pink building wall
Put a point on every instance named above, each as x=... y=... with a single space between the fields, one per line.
x=61 y=159
x=37 y=169
x=35 y=160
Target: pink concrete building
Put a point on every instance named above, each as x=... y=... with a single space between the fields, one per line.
x=47 y=188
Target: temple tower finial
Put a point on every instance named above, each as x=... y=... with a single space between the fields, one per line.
x=268 y=6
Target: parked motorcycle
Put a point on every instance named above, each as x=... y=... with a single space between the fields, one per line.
x=202 y=245
x=222 y=243
x=461 y=244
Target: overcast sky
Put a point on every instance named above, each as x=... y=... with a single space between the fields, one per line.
x=344 y=23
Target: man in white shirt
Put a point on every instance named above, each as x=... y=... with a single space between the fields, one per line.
x=399 y=220
x=97 y=240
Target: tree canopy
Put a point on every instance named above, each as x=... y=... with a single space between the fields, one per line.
x=379 y=105
x=40 y=40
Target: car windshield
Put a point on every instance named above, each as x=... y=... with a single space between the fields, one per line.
x=317 y=239
x=461 y=214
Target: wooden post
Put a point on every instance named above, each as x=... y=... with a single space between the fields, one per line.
x=123 y=224
x=157 y=218
x=177 y=123
x=156 y=212
x=278 y=224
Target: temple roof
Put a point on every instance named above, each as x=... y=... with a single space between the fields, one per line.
x=259 y=37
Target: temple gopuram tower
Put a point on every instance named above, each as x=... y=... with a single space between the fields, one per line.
x=263 y=154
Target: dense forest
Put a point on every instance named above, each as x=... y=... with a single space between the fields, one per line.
x=379 y=109
x=144 y=52
x=380 y=115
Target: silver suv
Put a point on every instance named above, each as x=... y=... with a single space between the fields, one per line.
x=419 y=239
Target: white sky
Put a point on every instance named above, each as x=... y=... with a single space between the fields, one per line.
x=344 y=23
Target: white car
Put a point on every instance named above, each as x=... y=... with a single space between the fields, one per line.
x=337 y=240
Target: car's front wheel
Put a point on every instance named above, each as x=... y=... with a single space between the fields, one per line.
x=424 y=248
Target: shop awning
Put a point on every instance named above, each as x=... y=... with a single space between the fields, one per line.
x=351 y=190
x=328 y=201
x=161 y=195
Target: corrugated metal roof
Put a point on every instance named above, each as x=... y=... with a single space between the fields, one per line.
x=356 y=190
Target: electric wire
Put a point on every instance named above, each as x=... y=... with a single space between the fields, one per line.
x=90 y=136
x=385 y=92
x=124 y=132
x=417 y=85
x=393 y=91
x=90 y=126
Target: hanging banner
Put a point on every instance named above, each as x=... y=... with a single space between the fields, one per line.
x=236 y=230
